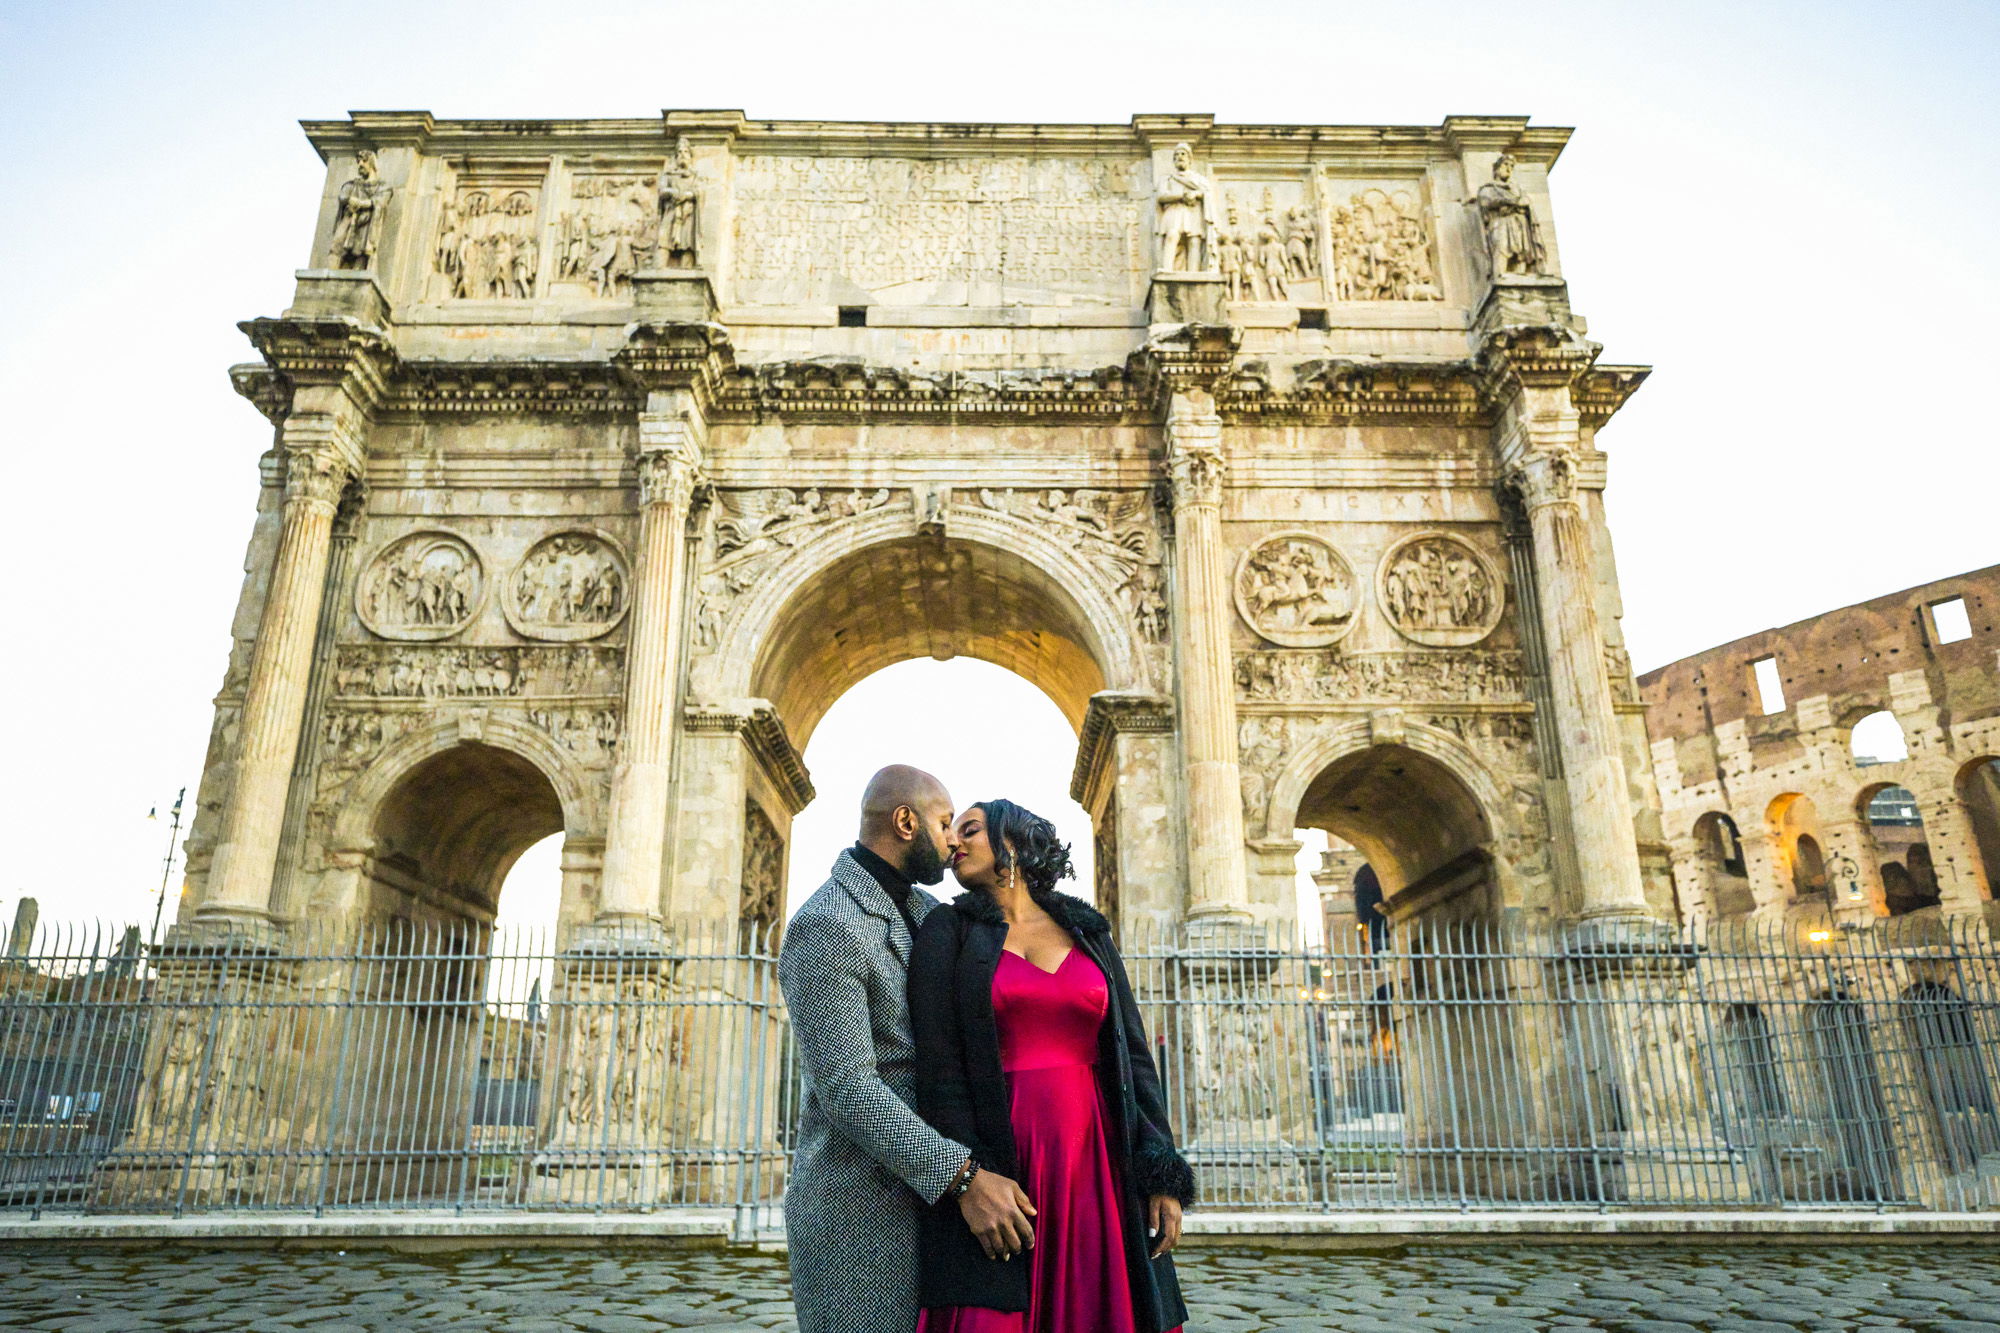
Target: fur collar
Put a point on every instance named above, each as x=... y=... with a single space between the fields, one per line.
x=1072 y=914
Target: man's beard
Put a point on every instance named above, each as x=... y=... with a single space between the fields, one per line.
x=923 y=863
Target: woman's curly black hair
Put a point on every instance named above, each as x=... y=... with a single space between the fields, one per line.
x=1040 y=855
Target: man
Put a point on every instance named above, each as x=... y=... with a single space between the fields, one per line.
x=866 y=1163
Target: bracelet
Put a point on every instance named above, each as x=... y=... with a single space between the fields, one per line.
x=964 y=1181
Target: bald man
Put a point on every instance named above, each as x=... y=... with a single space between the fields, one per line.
x=866 y=1164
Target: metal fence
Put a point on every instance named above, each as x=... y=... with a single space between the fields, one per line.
x=1454 y=1067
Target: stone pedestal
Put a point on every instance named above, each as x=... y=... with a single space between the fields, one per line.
x=673 y=296
x=1634 y=1026
x=340 y=293
x=1186 y=298
x=1247 y=1119
x=606 y=1112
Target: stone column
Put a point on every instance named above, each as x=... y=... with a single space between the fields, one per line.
x=1587 y=729
x=318 y=467
x=671 y=433
x=1218 y=885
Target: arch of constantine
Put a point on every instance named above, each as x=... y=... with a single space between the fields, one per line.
x=607 y=454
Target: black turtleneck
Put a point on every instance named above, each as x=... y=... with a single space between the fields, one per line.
x=893 y=881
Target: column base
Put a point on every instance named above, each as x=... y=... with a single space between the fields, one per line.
x=336 y=292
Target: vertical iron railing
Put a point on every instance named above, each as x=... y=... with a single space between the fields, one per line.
x=1440 y=1065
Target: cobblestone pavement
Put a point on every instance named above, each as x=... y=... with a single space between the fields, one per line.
x=1929 y=1289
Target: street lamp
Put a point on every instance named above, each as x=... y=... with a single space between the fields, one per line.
x=167 y=865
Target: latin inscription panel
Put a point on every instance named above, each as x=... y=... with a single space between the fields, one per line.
x=897 y=231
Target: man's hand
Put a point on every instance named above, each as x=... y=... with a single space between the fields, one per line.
x=1163 y=1219
x=998 y=1213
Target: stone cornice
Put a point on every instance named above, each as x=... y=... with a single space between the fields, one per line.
x=1191 y=357
x=1342 y=391
x=332 y=351
x=650 y=135
x=1533 y=356
x=448 y=388
x=763 y=731
x=695 y=357
x=1109 y=713
x=264 y=388
x=808 y=389
x=1604 y=389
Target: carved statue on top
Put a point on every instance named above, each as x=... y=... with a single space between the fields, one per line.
x=679 y=205
x=1182 y=226
x=364 y=204
x=1513 y=241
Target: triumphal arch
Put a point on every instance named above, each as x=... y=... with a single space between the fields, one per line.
x=608 y=453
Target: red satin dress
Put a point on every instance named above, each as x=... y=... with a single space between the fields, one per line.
x=1048 y=1025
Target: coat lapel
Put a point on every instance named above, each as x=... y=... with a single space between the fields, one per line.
x=873 y=899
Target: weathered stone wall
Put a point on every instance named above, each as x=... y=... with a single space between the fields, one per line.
x=1798 y=792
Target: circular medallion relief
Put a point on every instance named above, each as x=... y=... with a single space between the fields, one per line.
x=427 y=585
x=1438 y=590
x=570 y=586
x=1295 y=589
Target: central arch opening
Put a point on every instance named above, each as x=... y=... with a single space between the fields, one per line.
x=920 y=597
x=984 y=731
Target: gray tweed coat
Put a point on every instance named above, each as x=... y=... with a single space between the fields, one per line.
x=864 y=1156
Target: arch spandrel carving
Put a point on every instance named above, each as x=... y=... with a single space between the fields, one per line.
x=576 y=790
x=1323 y=748
x=1047 y=611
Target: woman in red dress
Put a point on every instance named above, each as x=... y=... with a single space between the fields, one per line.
x=1032 y=1053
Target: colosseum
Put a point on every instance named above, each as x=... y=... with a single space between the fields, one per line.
x=1839 y=769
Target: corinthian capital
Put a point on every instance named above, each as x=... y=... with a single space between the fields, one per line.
x=668 y=475
x=316 y=476
x=1543 y=478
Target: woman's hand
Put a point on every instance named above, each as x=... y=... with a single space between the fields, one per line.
x=1163 y=1220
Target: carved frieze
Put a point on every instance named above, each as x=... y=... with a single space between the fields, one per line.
x=487 y=248
x=1295 y=589
x=1268 y=676
x=606 y=234
x=420 y=587
x=1381 y=246
x=1262 y=744
x=382 y=671
x=1113 y=531
x=570 y=586
x=763 y=895
x=1437 y=589
x=1267 y=248
x=350 y=739
x=591 y=734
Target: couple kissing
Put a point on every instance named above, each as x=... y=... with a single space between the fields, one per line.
x=984 y=1144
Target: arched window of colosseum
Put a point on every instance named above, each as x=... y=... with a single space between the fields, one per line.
x=1808 y=869
x=1722 y=865
x=1979 y=793
x=1901 y=848
x=1794 y=822
x=1877 y=739
x=1955 y=1079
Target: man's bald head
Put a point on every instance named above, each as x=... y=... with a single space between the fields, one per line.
x=896 y=786
x=906 y=820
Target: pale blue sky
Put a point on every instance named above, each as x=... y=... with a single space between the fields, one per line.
x=1789 y=209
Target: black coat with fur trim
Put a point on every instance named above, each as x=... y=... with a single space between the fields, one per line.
x=962 y=1091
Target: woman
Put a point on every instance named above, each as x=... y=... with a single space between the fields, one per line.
x=1031 y=1052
